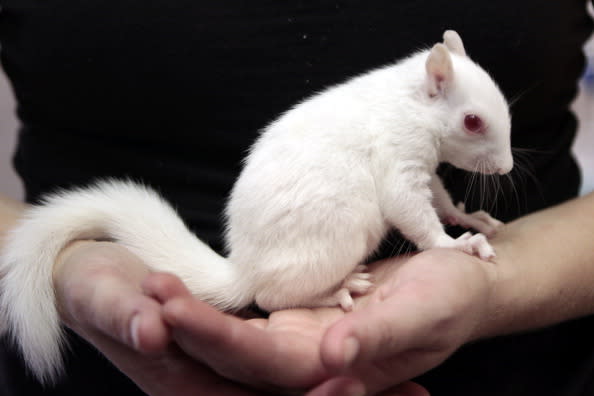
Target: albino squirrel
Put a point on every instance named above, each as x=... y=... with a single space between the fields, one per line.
x=320 y=188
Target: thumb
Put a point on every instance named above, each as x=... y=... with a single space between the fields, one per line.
x=98 y=291
x=119 y=310
x=380 y=330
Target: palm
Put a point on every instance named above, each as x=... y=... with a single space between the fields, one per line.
x=99 y=296
x=423 y=308
x=418 y=296
x=297 y=334
x=281 y=351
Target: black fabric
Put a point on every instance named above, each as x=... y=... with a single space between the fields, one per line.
x=173 y=92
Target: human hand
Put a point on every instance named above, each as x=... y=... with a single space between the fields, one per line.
x=279 y=353
x=423 y=309
x=431 y=302
x=99 y=294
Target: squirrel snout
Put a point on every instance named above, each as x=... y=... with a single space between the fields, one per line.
x=506 y=168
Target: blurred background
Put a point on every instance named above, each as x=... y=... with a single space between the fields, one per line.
x=583 y=106
x=9 y=183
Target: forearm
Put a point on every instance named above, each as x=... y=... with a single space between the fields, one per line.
x=544 y=270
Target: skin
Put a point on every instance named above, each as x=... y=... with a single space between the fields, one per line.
x=89 y=278
x=437 y=310
x=279 y=354
x=541 y=276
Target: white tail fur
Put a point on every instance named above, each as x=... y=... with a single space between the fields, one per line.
x=120 y=211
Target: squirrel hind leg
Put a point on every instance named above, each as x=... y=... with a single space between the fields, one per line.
x=357 y=282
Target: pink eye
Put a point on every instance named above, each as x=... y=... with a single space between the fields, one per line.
x=473 y=123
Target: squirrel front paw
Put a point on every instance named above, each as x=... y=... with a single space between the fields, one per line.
x=480 y=220
x=476 y=244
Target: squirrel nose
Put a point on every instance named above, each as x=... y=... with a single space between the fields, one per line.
x=504 y=170
x=506 y=165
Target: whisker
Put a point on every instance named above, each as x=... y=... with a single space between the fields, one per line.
x=491 y=194
x=392 y=245
x=483 y=191
x=469 y=185
x=514 y=190
x=516 y=98
x=525 y=170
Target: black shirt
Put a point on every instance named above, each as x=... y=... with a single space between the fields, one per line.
x=173 y=93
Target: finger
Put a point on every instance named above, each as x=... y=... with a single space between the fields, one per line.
x=186 y=313
x=406 y=389
x=238 y=350
x=97 y=288
x=116 y=308
x=149 y=333
x=177 y=374
x=163 y=287
x=232 y=347
x=339 y=386
x=379 y=331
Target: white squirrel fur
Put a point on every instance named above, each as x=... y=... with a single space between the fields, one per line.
x=319 y=190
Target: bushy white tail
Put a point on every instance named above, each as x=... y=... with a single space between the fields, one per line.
x=130 y=214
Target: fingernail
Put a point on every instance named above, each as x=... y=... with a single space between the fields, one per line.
x=350 y=350
x=134 y=326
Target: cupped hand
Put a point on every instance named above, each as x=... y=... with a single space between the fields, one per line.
x=99 y=290
x=280 y=353
x=423 y=309
x=99 y=294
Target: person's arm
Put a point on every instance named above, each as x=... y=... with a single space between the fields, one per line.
x=545 y=269
x=425 y=306
x=428 y=306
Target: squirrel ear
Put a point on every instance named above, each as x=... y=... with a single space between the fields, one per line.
x=440 y=71
x=454 y=43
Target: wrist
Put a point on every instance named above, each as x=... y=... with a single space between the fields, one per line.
x=543 y=270
x=503 y=301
